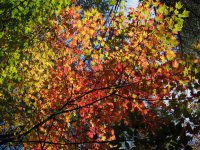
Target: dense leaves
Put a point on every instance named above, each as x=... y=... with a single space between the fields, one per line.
x=189 y=35
x=89 y=73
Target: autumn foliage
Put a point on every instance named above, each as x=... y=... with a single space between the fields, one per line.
x=87 y=75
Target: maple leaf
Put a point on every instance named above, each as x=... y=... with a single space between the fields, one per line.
x=170 y=54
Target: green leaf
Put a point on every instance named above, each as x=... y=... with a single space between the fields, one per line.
x=196 y=71
x=1 y=80
x=161 y=9
x=185 y=72
x=27 y=30
x=20 y=8
x=112 y=2
x=185 y=14
x=178 y=5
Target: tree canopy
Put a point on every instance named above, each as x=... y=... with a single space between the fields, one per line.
x=78 y=74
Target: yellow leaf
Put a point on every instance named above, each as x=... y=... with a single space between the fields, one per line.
x=91 y=31
x=103 y=138
x=95 y=56
x=134 y=96
x=170 y=55
x=99 y=38
x=162 y=58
